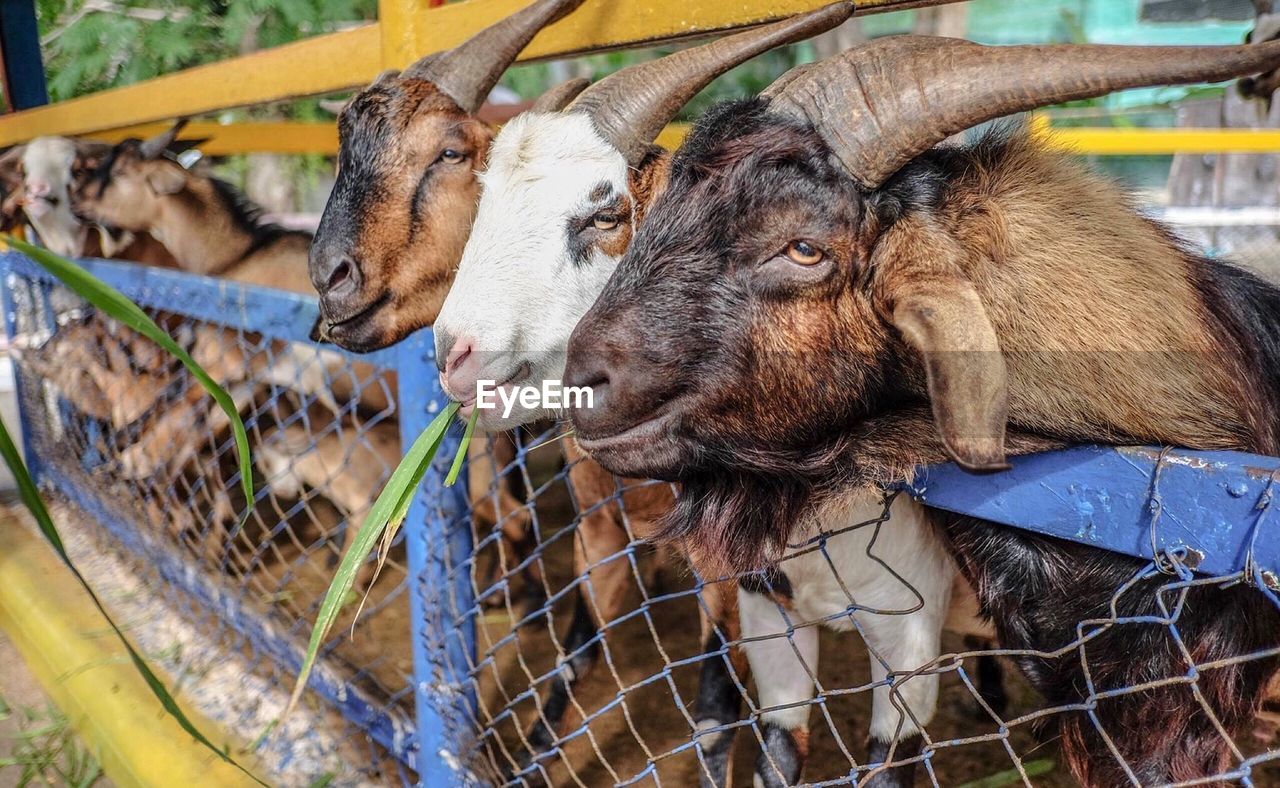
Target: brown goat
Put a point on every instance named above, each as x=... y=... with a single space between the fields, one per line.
x=821 y=301
x=414 y=134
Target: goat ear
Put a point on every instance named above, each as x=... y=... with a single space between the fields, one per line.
x=11 y=163
x=937 y=310
x=166 y=178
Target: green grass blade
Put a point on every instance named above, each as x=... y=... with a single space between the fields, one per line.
x=31 y=499
x=1036 y=768
x=118 y=306
x=462 y=449
x=391 y=507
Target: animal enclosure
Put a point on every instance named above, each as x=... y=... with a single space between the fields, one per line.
x=533 y=661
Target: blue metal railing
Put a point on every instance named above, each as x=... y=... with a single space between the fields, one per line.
x=1209 y=510
x=285 y=317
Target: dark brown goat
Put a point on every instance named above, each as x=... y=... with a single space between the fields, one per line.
x=820 y=301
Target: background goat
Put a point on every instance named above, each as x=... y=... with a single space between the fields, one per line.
x=814 y=274
x=38 y=177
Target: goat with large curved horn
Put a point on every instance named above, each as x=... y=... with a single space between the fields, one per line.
x=631 y=107
x=469 y=71
x=882 y=104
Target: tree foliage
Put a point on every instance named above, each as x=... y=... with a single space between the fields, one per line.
x=90 y=45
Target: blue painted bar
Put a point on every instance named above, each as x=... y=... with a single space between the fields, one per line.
x=437 y=544
x=1217 y=503
x=20 y=47
x=275 y=313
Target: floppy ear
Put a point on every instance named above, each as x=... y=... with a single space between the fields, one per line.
x=936 y=309
x=166 y=178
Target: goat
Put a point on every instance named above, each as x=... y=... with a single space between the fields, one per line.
x=821 y=300
x=383 y=257
x=346 y=469
x=562 y=194
x=416 y=136
x=38 y=177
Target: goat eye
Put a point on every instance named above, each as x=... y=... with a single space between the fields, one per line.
x=802 y=253
x=605 y=221
x=451 y=156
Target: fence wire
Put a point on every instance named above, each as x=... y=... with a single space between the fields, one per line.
x=128 y=436
x=594 y=654
x=554 y=644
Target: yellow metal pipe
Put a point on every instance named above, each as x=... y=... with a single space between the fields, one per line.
x=339 y=61
x=58 y=632
x=233 y=138
x=322 y=138
x=317 y=65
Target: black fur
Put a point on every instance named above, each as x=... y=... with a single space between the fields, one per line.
x=720 y=703
x=879 y=751
x=781 y=760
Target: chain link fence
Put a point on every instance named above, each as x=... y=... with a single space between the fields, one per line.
x=525 y=632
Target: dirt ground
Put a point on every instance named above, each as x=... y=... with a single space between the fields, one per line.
x=37 y=745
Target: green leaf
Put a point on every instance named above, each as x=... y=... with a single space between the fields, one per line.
x=115 y=304
x=462 y=449
x=1036 y=768
x=389 y=509
x=31 y=499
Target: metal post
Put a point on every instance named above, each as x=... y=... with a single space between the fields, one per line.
x=24 y=85
x=442 y=609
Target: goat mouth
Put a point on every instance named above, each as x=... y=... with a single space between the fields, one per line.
x=468 y=400
x=648 y=449
x=343 y=328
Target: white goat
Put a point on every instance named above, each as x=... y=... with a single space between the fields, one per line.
x=45 y=165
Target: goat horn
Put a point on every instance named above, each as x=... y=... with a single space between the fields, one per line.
x=157 y=145
x=558 y=97
x=629 y=108
x=882 y=104
x=469 y=71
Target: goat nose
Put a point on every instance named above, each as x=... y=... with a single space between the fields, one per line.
x=38 y=188
x=589 y=369
x=460 y=368
x=335 y=275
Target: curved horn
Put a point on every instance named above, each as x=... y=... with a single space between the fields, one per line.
x=157 y=145
x=629 y=108
x=469 y=71
x=558 y=97
x=886 y=102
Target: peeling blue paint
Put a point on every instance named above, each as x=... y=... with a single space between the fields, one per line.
x=1108 y=497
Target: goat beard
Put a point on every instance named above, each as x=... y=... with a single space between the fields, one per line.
x=741 y=510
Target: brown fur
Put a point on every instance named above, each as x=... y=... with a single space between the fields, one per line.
x=407 y=234
x=799 y=382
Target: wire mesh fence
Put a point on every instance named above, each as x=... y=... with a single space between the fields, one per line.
x=124 y=432
x=525 y=632
x=602 y=660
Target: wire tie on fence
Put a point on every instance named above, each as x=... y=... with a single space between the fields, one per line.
x=1252 y=574
x=1164 y=559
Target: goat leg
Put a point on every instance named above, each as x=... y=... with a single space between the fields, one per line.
x=719 y=701
x=785 y=664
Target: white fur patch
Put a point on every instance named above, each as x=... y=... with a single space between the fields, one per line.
x=518 y=293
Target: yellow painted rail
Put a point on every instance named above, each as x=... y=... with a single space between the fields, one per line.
x=322 y=138
x=407 y=29
x=59 y=634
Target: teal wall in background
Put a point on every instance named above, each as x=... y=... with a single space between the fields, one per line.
x=1065 y=21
